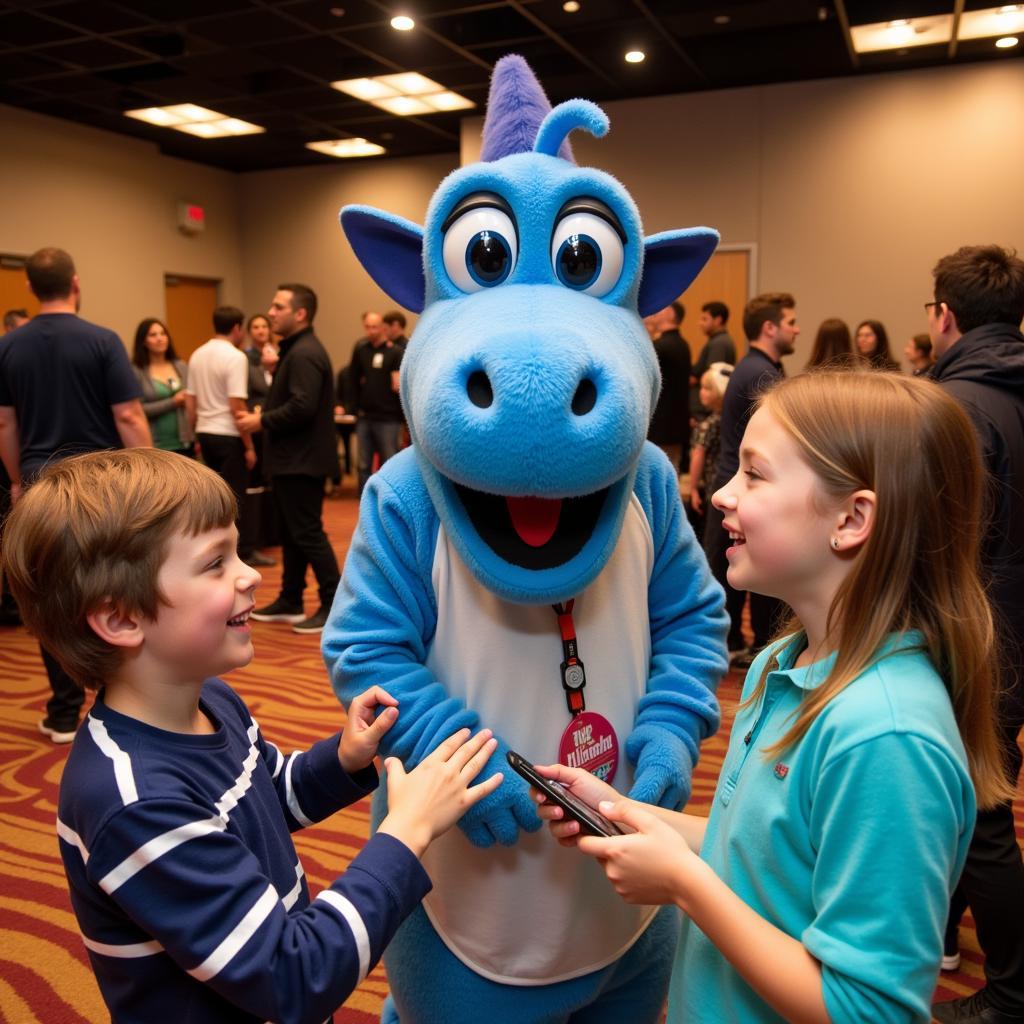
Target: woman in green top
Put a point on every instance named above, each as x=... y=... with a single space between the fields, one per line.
x=162 y=377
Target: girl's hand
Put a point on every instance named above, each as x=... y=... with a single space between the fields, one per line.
x=362 y=734
x=652 y=865
x=582 y=784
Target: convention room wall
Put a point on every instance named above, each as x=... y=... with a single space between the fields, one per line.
x=112 y=202
x=849 y=188
x=290 y=232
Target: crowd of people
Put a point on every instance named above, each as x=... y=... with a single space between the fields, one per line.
x=875 y=519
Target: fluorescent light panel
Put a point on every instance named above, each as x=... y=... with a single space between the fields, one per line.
x=346 y=147
x=902 y=34
x=993 y=21
x=404 y=94
x=198 y=121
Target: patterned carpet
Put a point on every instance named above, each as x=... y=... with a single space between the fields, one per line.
x=44 y=972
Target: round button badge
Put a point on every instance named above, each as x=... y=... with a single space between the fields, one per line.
x=589 y=742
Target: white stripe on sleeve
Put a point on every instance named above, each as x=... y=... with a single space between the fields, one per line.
x=71 y=836
x=347 y=909
x=293 y=802
x=238 y=937
x=128 y=951
x=157 y=847
x=121 y=761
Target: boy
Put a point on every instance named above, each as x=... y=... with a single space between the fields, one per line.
x=174 y=812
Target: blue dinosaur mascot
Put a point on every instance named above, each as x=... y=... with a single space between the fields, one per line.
x=526 y=565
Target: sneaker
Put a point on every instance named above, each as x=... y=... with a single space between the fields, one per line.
x=314 y=624
x=951 y=952
x=259 y=561
x=279 y=611
x=973 y=1009
x=58 y=735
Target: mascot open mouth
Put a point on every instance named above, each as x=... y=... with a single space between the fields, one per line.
x=534 y=533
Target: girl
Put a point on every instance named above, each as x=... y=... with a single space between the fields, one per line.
x=845 y=802
x=873 y=346
x=162 y=377
x=705 y=443
x=833 y=348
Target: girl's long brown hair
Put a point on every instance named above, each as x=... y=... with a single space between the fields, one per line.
x=911 y=444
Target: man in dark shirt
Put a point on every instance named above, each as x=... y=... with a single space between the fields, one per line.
x=373 y=397
x=394 y=328
x=718 y=348
x=974 y=324
x=66 y=387
x=300 y=453
x=769 y=322
x=670 y=424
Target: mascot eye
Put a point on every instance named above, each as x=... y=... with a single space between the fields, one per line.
x=586 y=254
x=480 y=249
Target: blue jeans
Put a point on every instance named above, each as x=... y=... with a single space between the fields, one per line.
x=380 y=436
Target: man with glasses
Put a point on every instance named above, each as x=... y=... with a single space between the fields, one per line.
x=974 y=323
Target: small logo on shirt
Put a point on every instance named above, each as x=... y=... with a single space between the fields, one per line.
x=781 y=770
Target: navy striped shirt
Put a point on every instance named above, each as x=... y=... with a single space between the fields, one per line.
x=185 y=881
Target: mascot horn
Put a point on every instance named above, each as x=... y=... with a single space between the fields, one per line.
x=526 y=565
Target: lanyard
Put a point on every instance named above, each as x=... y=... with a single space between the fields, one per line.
x=574 y=678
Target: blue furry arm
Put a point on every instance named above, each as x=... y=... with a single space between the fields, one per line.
x=384 y=616
x=688 y=650
x=378 y=632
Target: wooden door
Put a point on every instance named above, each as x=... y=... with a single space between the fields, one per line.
x=726 y=279
x=190 y=302
x=14 y=293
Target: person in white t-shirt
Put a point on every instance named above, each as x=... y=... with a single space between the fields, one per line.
x=218 y=386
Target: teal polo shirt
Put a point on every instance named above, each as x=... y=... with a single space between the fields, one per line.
x=850 y=841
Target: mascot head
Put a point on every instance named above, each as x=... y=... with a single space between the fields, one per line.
x=530 y=380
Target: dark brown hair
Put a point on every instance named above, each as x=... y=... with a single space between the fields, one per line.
x=766 y=306
x=832 y=345
x=981 y=284
x=141 y=354
x=50 y=271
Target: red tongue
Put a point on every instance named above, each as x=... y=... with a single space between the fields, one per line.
x=534 y=519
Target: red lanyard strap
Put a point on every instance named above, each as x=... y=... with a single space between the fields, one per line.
x=574 y=678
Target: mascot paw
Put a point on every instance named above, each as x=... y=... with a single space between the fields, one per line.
x=664 y=767
x=499 y=817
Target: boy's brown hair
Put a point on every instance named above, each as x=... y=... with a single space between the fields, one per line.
x=95 y=528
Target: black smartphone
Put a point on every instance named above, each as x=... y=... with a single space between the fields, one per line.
x=591 y=821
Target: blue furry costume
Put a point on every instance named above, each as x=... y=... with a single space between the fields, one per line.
x=528 y=387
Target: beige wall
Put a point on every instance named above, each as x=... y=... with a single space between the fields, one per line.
x=112 y=203
x=290 y=232
x=850 y=188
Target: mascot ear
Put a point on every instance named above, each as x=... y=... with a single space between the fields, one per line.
x=672 y=260
x=390 y=249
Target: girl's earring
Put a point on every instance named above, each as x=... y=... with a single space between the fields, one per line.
x=835 y=543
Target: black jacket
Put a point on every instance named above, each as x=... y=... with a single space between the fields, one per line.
x=670 y=423
x=984 y=371
x=298 y=417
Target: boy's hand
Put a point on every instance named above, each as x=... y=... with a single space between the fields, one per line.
x=362 y=735
x=436 y=793
x=582 y=784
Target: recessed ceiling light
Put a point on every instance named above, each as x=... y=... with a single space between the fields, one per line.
x=404 y=94
x=402 y=23
x=338 y=12
x=1006 y=42
x=198 y=121
x=345 y=148
x=903 y=32
x=571 y=6
x=635 y=56
x=722 y=19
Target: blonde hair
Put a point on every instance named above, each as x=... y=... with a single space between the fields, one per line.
x=912 y=445
x=716 y=378
x=95 y=528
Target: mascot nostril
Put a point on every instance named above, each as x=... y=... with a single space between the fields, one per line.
x=478 y=387
x=585 y=398
x=530 y=569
